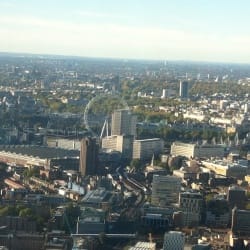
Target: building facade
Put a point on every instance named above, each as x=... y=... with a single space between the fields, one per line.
x=123 y=123
x=191 y=204
x=174 y=240
x=197 y=151
x=183 y=89
x=240 y=222
x=165 y=190
x=88 y=157
x=120 y=143
x=145 y=149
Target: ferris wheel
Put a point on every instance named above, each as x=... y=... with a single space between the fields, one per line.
x=97 y=114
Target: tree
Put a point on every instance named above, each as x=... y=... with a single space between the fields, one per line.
x=26 y=212
x=136 y=164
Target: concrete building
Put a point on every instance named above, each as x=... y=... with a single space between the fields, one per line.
x=144 y=149
x=164 y=93
x=236 y=196
x=43 y=157
x=174 y=240
x=91 y=221
x=144 y=246
x=123 y=123
x=183 y=90
x=88 y=157
x=165 y=190
x=99 y=198
x=70 y=144
x=120 y=143
x=197 y=151
x=217 y=214
x=191 y=204
x=227 y=169
x=240 y=222
x=204 y=246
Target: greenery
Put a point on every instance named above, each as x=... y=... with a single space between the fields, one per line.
x=137 y=165
x=23 y=211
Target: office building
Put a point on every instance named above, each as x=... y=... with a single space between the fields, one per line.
x=183 y=90
x=144 y=246
x=191 y=204
x=88 y=157
x=217 y=214
x=120 y=143
x=37 y=156
x=145 y=149
x=164 y=93
x=165 y=190
x=197 y=151
x=202 y=246
x=174 y=240
x=236 y=197
x=240 y=222
x=123 y=123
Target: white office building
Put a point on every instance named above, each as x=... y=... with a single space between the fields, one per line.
x=123 y=123
x=197 y=151
x=120 y=143
x=145 y=149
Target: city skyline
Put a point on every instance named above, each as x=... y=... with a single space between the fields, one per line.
x=162 y=30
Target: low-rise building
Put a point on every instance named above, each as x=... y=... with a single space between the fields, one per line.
x=226 y=169
x=144 y=149
x=193 y=150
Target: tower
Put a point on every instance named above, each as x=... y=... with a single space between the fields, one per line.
x=123 y=123
x=183 y=90
x=88 y=156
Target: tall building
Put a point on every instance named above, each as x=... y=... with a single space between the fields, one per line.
x=120 y=143
x=183 y=90
x=164 y=93
x=174 y=240
x=240 y=222
x=88 y=157
x=191 y=204
x=165 y=190
x=123 y=123
x=144 y=149
x=236 y=196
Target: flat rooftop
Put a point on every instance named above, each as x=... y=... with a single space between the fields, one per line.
x=42 y=152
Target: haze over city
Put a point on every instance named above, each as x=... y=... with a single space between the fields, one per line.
x=125 y=125
x=165 y=30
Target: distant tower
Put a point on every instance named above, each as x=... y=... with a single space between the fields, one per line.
x=123 y=123
x=183 y=89
x=88 y=157
x=164 y=93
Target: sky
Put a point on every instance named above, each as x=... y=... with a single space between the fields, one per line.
x=195 y=30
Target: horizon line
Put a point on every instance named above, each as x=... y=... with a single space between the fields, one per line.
x=36 y=54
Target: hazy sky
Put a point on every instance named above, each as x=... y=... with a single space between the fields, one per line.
x=207 y=30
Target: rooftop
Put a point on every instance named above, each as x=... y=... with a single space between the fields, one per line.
x=40 y=152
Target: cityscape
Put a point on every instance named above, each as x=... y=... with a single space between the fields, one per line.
x=110 y=143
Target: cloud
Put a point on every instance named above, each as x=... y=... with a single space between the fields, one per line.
x=94 y=14
x=37 y=35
